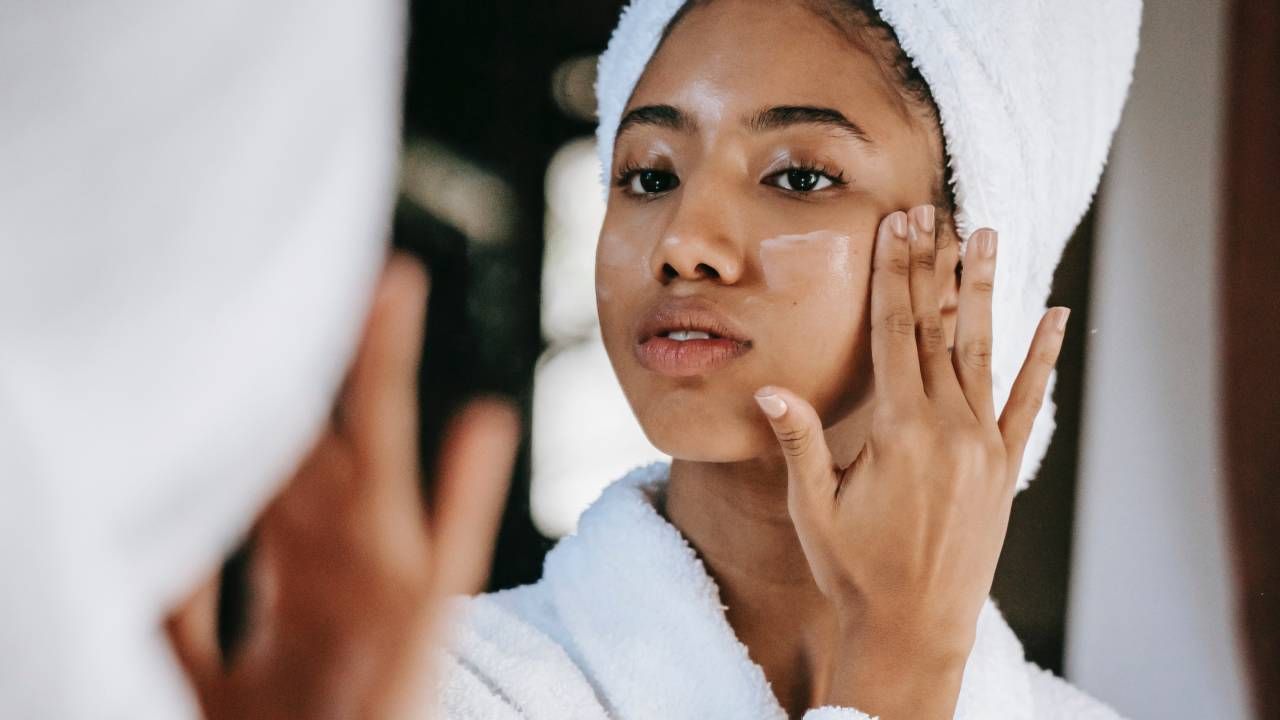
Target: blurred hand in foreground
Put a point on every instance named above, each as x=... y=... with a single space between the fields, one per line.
x=348 y=569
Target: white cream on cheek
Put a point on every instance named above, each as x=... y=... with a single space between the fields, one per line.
x=819 y=262
x=614 y=255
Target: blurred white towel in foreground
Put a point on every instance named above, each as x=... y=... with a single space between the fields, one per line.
x=194 y=201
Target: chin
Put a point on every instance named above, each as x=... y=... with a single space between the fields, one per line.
x=703 y=431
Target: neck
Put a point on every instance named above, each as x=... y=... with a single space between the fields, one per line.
x=735 y=516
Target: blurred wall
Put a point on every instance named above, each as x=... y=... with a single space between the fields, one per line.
x=1249 y=250
x=1150 y=627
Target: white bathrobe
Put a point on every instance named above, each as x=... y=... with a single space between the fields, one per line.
x=626 y=623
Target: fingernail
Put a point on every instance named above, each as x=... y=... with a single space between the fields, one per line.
x=899 y=222
x=923 y=216
x=772 y=405
x=986 y=243
x=1060 y=316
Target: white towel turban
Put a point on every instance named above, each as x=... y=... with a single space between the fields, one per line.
x=1029 y=93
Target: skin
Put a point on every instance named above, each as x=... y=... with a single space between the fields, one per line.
x=718 y=74
x=846 y=481
x=348 y=571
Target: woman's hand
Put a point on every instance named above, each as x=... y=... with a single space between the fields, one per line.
x=346 y=573
x=905 y=540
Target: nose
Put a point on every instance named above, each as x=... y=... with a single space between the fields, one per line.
x=698 y=243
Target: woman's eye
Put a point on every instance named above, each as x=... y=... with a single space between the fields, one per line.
x=801 y=180
x=649 y=182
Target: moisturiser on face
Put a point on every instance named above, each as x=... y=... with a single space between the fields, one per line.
x=613 y=253
x=819 y=261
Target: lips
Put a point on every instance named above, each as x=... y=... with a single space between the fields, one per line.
x=687 y=337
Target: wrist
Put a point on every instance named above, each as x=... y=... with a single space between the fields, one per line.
x=895 y=671
x=938 y=639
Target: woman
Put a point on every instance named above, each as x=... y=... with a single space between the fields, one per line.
x=849 y=408
x=781 y=296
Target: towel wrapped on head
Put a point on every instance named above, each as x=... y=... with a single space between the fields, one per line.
x=1029 y=94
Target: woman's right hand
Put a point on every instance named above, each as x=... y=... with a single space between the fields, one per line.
x=347 y=571
x=905 y=540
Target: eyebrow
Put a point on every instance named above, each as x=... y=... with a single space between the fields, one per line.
x=774 y=118
x=783 y=116
x=664 y=116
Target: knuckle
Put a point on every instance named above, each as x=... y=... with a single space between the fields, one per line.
x=883 y=417
x=1029 y=402
x=795 y=440
x=982 y=286
x=924 y=260
x=968 y=452
x=976 y=353
x=1035 y=402
x=898 y=321
x=913 y=433
x=894 y=264
x=930 y=335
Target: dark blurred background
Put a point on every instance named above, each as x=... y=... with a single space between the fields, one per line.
x=494 y=89
x=479 y=90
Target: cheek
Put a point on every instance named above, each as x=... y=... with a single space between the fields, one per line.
x=620 y=267
x=804 y=305
x=817 y=283
x=813 y=266
x=623 y=285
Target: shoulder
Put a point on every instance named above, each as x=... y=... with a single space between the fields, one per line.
x=508 y=657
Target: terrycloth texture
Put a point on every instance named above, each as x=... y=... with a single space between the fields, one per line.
x=1029 y=93
x=627 y=624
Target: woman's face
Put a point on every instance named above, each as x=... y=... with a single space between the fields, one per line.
x=753 y=164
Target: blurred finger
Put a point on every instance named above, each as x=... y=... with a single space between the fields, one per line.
x=192 y=628
x=474 y=475
x=380 y=403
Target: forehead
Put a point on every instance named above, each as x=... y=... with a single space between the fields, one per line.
x=730 y=57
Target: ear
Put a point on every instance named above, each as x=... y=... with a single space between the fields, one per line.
x=947 y=274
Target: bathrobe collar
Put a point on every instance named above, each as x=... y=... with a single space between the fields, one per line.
x=646 y=621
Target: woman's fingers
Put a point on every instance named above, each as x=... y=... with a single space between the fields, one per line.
x=192 y=629
x=972 y=355
x=341 y=560
x=473 y=477
x=370 y=462
x=893 y=327
x=799 y=432
x=1027 y=394
x=931 y=339
x=380 y=403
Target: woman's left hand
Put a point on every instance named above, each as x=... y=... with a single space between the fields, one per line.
x=349 y=572
x=905 y=540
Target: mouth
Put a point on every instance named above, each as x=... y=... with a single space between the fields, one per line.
x=688 y=337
